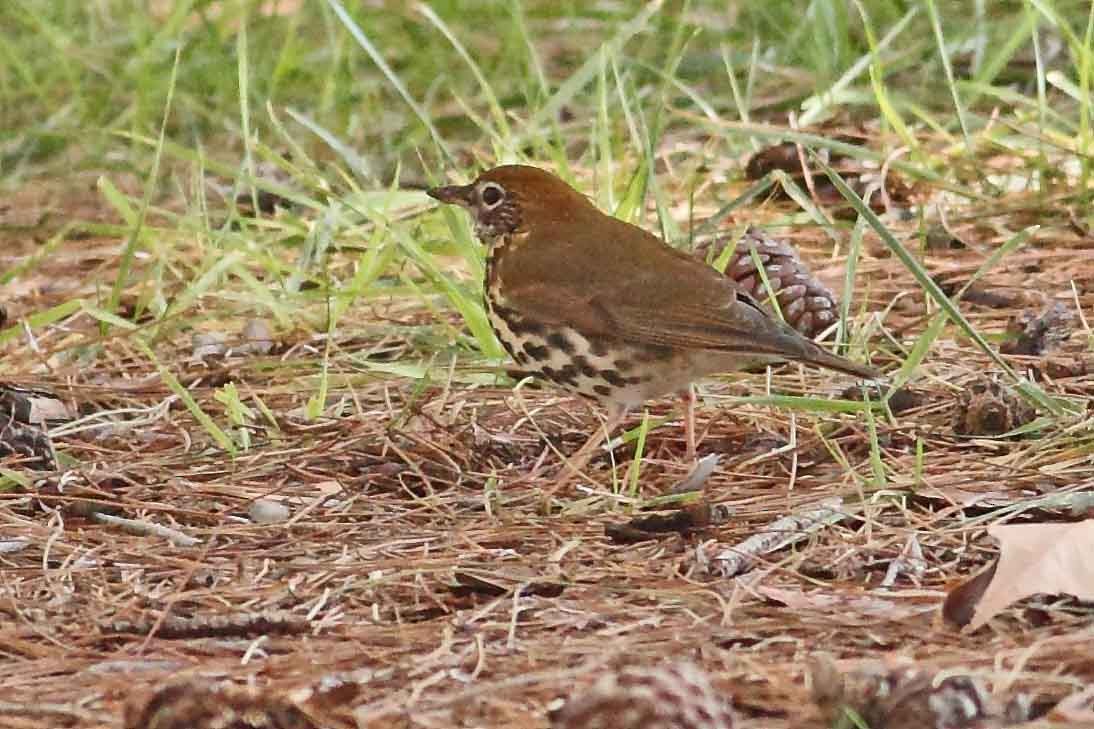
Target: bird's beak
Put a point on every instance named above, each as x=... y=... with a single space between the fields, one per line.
x=453 y=194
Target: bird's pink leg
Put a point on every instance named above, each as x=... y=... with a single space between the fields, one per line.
x=574 y=465
x=689 y=421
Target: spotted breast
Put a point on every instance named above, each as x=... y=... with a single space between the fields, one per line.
x=596 y=367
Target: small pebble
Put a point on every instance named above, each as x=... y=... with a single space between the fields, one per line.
x=257 y=337
x=264 y=511
x=208 y=344
x=938 y=238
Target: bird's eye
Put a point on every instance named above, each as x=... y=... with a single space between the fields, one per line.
x=492 y=194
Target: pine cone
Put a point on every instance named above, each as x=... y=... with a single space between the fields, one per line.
x=27 y=443
x=987 y=407
x=858 y=174
x=202 y=705
x=678 y=696
x=807 y=304
x=1036 y=333
x=901 y=695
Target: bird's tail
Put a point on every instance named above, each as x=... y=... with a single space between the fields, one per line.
x=772 y=336
x=816 y=355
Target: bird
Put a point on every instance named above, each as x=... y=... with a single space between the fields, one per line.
x=608 y=310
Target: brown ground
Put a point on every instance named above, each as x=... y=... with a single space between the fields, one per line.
x=415 y=559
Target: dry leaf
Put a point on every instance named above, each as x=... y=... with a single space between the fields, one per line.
x=488 y=579
x=1050 y=559
x=32 y=407
x=697 y=479
x=960 y=605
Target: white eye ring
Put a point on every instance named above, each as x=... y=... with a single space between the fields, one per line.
x=491 y=195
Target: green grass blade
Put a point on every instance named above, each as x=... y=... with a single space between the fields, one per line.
x=635 y=470
x=347 y=153
x=243 y=82
x=850 y=268
x=714 y=222
x=393 y=78
x=1031 y=391
x=936 y=25
x=219 y=436
x=51 y=315
x=470 y=309
x=580 y=78
x=805 y=404
x=496 y=110
x=130 y=248
x=815 y=107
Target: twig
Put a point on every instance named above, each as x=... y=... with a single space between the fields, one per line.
x=734 y=560
x=144 y=528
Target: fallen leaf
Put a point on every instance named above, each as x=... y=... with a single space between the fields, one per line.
x=32 y=407
x=1048 y=559
x=697 y=515
x=268 y=511
x=960 y=605
x=495 y=580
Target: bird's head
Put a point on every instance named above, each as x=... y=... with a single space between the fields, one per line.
x=514 y=199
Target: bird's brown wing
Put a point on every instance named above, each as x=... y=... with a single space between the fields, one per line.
x=564 y=263
x=616 y=280
x=743 y=330
x=741 y=327
x=733 y=328
x=630 y=286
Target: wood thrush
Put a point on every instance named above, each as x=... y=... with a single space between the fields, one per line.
x=607 y=310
